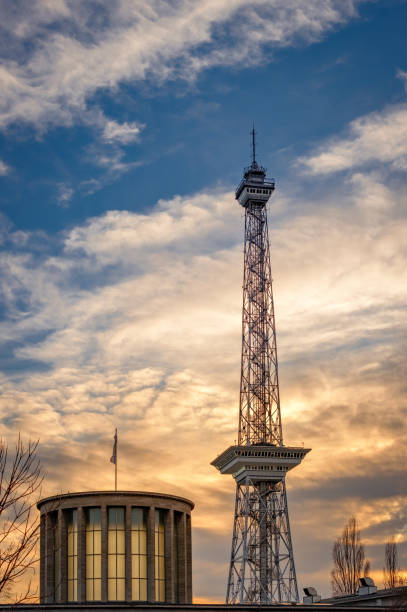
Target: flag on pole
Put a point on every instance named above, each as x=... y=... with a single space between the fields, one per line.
x=113 y=458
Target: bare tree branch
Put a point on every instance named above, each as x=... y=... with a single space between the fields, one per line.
x=392 y=577
x=20 y=480
x=349 y=560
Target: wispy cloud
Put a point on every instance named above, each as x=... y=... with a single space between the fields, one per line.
x=380 y=137
x=111 y=160
x=123 y=133
x=402 y=74
x=113 y=43
x=4 y=169
x=64 y=195
x=112 y=131
x=26 y=20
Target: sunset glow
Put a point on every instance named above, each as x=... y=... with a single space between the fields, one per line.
x=122 y=256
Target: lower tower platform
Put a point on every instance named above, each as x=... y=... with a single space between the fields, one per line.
x=259 y=462
x=262 y=564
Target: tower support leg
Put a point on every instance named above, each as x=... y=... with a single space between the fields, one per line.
x=262 y=562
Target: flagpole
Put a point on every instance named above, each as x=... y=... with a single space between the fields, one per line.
x=113 y=458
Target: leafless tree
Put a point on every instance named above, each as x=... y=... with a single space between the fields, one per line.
x=391 y=571
x=20 y=482
x=349 y=560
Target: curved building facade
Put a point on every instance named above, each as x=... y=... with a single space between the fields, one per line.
x=115 y=546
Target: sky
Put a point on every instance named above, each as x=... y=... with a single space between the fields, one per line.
x=124 y=132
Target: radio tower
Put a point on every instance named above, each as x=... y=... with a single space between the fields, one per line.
x=262 y=563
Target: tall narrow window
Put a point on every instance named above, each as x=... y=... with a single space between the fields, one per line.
x=116 y=559
x=93 y=555
x=177 y=518
x=159 y=556
x=72 y=554
x=57 y=546
x=138 y=554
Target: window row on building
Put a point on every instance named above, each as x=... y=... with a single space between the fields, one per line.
x=263 y=191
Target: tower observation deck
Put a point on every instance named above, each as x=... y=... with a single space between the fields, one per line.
x=262 y=567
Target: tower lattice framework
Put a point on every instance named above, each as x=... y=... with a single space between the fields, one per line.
x=259 y=414
x=262 y=562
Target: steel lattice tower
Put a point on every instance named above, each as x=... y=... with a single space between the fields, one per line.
x=262 y=563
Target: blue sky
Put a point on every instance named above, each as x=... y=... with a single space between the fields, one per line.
x=195 y=123
x=124 y=131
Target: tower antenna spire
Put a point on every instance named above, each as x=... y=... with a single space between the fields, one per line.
x=253 y=145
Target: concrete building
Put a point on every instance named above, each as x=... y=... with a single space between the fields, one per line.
x=115 y=546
